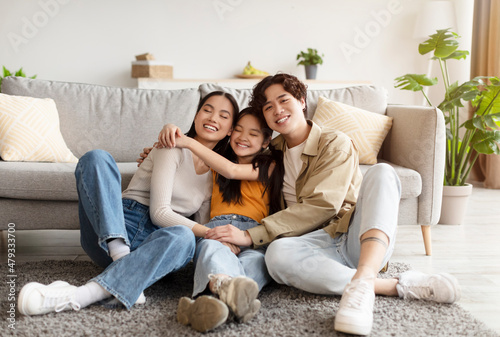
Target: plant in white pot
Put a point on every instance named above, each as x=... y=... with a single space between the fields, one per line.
x=480 y=133
x=310 y=61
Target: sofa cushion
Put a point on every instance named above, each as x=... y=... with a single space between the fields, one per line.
x=411 y=181
x=29 y=130
x=242 y=96
x=367 y=129
x=47 y=181
x=121 y=121
x=368 y=97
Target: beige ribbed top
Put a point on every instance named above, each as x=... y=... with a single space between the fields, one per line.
x=167 y=182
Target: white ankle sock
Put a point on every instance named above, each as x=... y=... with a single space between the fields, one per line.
x=90 y=293
x=118 y=248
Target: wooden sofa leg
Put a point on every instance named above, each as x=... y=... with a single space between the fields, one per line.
x=426 y=234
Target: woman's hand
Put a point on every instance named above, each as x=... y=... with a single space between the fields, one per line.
x=168 y=135
x=231 y=234
x=235 y=249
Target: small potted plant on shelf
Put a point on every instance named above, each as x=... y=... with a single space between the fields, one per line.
x=310 y=60
x=465 y=140
x=6 y=73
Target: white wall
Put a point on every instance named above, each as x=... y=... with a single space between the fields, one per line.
x=94 y=41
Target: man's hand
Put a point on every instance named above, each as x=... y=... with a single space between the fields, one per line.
x=231 y=234
x=143 y=155
x=235 y=249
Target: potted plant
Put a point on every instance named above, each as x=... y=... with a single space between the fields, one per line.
x=465 y=140
x=310 y=60
x=6 y=73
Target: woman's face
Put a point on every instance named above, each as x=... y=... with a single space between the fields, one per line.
x=283 y=112
x=247 y=139
x=214 y=120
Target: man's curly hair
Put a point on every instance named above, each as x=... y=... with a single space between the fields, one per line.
x=290 y=83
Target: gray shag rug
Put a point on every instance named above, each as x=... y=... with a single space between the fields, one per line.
x=285 y=311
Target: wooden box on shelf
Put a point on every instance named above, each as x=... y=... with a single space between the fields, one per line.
x=152 y=69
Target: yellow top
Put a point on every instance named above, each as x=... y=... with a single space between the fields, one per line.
x=253 y=204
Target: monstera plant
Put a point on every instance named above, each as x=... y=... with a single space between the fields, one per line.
x=480 y=132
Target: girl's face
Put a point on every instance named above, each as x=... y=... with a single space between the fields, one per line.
x=214 y=120
x=283 y=112
x=247 y=139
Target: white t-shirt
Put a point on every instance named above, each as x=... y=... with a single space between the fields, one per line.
x=293 y=165
x=168 y=183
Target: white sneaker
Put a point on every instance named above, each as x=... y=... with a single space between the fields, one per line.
x=203 y=314
x=240 y=294
x=355 y=314
x=114 y=303
x=442 y=288
x=39 y=299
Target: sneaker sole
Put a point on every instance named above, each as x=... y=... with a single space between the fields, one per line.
x=204 y=314
x=245 y=306
x=453 y=282
x=352 y=329
x=24 y=295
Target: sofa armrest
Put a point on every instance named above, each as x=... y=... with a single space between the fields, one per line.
x=417 y=141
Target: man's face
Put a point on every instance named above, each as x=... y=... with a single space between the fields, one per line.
x=282 y=111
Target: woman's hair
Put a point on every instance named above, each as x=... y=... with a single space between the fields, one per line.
x=221 y=146
x=290 y=83
x=231 y=189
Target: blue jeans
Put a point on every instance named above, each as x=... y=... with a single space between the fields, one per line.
x=104 y=215
x=212 y=257
x=316 y=262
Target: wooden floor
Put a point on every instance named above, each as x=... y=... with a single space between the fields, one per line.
x=470 y=251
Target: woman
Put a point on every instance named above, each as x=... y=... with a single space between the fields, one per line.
x=145 y=235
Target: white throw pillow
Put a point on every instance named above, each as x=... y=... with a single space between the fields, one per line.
x=29 y=131
x=367 y=129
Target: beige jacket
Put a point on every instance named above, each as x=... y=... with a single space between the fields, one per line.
x=327 y=188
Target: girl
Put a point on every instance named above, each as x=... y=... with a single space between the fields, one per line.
x=135 y=235
x=236 y=279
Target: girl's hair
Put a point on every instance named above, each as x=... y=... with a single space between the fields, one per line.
x=222 y=145
x=231 y=189
x=290 y=83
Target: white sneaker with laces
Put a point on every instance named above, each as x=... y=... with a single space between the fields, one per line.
x=442 y=288
x=39 y=299
x=240 y=294
x=355 y=314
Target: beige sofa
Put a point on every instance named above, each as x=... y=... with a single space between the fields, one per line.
x=41 y=195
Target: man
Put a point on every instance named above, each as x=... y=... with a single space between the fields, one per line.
x=338 y=228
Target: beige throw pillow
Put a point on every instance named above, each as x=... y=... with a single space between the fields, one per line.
x=29 y=131
x=367 y=129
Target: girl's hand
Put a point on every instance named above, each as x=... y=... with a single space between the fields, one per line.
x=168 y=135
x=231 y=234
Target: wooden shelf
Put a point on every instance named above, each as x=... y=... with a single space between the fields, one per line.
x=236 y=83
